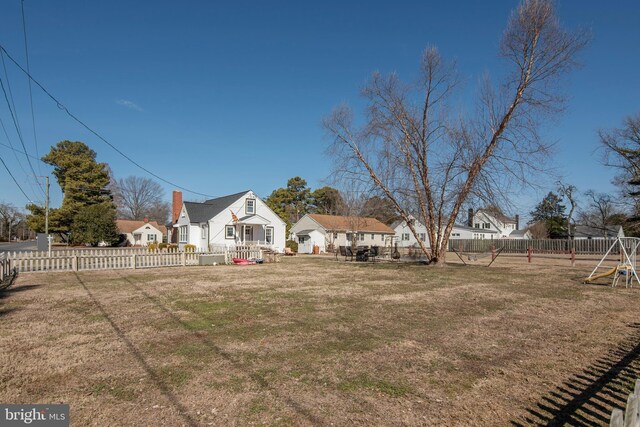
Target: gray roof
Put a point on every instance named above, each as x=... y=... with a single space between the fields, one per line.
x=587 y=231
x=203 y=212
x=304 y=232
x=519 y=233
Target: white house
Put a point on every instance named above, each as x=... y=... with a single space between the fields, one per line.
x=141 y=233
x=241 y=218
x=492 y=220
x=330 y=231
x=405 y=238
x=403 y=235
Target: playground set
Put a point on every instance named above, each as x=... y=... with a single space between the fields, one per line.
x=619 y=262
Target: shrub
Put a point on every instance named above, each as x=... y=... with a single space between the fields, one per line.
x=163 y=246
x=153 y=247
x=293 y=245
x=172 y=248
x=189 y=248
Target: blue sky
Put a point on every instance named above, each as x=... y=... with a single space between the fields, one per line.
x=221 y=97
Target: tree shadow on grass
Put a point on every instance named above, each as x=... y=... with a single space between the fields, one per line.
x=588 y=397
x=5 y=293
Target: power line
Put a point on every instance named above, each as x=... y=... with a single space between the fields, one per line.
x=14 y=179
x=10 y=147
x=14 y=153
x=15 y=123
x=100 y=137
x=26 y=54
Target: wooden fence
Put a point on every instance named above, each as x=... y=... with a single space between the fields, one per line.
x=631 y=416
x=117 y=259
x=520 y=246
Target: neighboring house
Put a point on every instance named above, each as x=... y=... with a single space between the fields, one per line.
x=141 y=233
x=488 y=220
x=241 y=218
x=330 y=231
x=521 y=234
x=405 y=238
x=465 y=232
x=587 y=232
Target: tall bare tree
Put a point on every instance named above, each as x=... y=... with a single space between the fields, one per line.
x=568 y=191
x=139 y=197
x=417 y=154
x=601 y=211
x=621 y=148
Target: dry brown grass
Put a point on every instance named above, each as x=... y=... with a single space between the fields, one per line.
x=312 y=341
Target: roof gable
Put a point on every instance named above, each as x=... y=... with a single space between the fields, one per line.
x=126 y=226
x=203 y=212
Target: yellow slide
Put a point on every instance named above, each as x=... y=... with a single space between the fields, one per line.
x=601 y=275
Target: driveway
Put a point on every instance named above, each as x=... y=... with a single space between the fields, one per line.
x=29 y=245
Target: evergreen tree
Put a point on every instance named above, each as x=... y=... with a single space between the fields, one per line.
x=551 y=212
x=328 y=201
x=84 y=182
x=291 y=203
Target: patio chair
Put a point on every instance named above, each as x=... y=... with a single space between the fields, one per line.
x=374 y=252
x=348 y=253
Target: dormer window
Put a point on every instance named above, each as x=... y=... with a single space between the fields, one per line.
x=250 y=207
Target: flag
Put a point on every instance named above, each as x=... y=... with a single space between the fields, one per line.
x=234 y=218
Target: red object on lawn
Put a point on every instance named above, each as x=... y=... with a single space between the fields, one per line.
x=242 y=261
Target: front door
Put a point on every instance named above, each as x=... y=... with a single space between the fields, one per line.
x=248 y=234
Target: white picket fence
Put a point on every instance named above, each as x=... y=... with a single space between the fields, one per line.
x=117 y=259
x=4 y=266
x=631 y=415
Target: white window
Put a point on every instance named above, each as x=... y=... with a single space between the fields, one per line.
x=361 y=237
x=348 y=237
x=335 y=235
x=137 y=237
x=405 y=236
x=204 y=231
x=184 y=233
x=301 y=239
x=268 y=235
x=455 y=234
x=250 y=206
x=477 y=225
x=486 y=225
x=151 y=238
x=230 y=232
x=373 y=236
x=423 y=237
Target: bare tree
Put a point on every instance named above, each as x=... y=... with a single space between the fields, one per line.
x=10 y=219
x=416 y=154
x=600 y=211
x=621 y=149
x=568 y=191
x=139 y=197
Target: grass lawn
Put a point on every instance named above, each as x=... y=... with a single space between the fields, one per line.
x=312 y=341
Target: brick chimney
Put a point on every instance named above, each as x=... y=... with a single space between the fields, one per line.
x=517 y=222
x=470 y=217
x=176 y=206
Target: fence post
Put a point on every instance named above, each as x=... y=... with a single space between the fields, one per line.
x=529 y=252
x=133 y=261
x=183 y=257
x=493 y=252
x=74 y=263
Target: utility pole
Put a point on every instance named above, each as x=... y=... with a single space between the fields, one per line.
x=46 y=210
